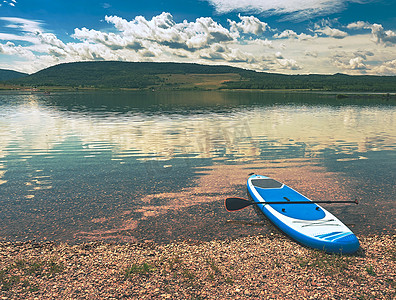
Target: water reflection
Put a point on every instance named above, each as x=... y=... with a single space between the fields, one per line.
x=233 y=131
x=83 y=162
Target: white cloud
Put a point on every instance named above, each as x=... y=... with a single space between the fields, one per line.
x=296 y=9
x=347 y=61
x=50 y=39
x=279 y=55
x=23 y=24
x=247 y=43
x=332 y=32
x=357 y=63
x=378 y=34
x=111 y=40
x=15 y=37
x=358 y=25
x=290 y=34
x=289 y=64
x=10 y=3
x=11 y=49
x=248 y=25
x=386 y=68
x=141 y=39
x=265 y=43
x=162 y=29
x=311 y=53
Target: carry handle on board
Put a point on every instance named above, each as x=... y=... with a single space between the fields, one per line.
x=236 y=203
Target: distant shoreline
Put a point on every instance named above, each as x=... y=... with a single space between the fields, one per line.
x=190 y=76
x=46 y=89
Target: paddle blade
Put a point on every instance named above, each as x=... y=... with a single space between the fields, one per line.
x=233 y=204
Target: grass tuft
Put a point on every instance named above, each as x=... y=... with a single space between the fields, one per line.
x=11 y=276
x=143 y=269
x=331 y=263
x=370 y=270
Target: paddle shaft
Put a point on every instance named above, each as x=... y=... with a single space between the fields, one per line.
x=301 y=202
x=236 y=203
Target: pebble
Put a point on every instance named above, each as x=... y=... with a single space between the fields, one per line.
x=219 y=269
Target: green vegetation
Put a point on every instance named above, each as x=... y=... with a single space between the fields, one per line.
x=147 y=75
x=143 y=269
x=178 y=268
x=392 y=250
x=21 y=268
x=336 y=82
x=370 y=270
x=108 y=74
x=331 y=264
x=9 y=75
x=213 y=266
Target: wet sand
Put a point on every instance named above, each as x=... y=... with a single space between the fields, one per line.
x=254 y=267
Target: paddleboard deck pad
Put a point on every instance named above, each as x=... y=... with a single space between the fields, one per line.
x=309 y=224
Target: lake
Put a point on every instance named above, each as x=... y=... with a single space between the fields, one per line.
x=157 y=166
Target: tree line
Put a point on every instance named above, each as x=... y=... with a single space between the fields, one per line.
x=108 y=74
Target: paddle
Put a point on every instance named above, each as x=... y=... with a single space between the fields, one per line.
x=237 y=203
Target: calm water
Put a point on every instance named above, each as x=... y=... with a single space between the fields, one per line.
x=135 y=166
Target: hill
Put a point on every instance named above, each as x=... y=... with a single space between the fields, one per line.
x=336 y=82
x=111 y=74
x=8 y=74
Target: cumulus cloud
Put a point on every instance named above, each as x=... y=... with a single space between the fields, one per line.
x=386 y=68
x=265 y=43
x=290 y=34
x=325 y=27
x=286 y=34
x=295 y=9
x=347 y=61
x=162 y=29
x=246 y=42
x=357 y=63
x=111 y=40
x=358 y=25
x=159 y=38
x=332 y=32
x=289 y=64
x=248 y=25
x=279 y=55
x=10 y=48
x=378 y=34
x=50 y=39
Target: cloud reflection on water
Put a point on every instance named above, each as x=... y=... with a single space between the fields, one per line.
x=67 y=159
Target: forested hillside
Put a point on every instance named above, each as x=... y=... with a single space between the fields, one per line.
x=143 y=75
x=336 y=82
x=117 y=74
x=8 y=74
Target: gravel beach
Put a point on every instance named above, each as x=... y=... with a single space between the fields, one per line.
x=254 y=267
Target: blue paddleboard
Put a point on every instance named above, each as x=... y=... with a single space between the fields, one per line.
x=308 y=224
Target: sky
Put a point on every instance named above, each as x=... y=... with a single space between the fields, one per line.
x=354 y=37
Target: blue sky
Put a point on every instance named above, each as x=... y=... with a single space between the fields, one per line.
x=283 y=36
